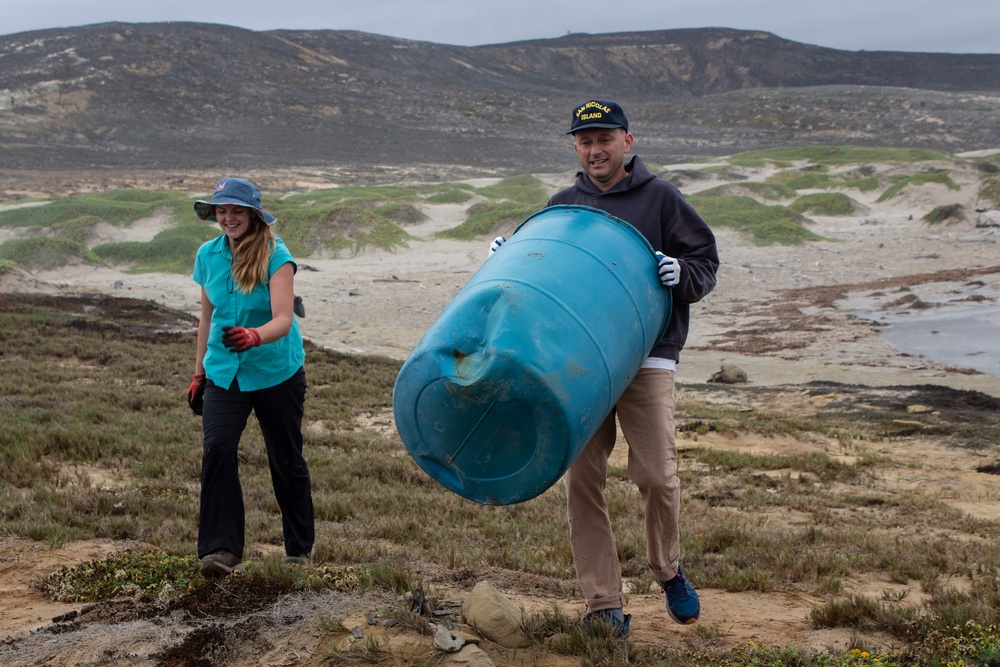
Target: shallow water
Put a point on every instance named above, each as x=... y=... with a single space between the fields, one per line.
x=953 y=330
x=960 y=337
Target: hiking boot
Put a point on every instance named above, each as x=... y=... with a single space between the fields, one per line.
x=682 y=600
x=614 y=619
x=304 y=559
x=220 y=564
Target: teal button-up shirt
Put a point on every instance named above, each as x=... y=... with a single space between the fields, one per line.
x=259 y=367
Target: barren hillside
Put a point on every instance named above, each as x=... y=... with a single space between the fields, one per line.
x=356 y=106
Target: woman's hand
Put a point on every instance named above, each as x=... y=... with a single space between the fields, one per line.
x=240 y=339
x=196 y=393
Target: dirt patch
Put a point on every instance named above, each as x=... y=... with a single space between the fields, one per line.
x=137 y=318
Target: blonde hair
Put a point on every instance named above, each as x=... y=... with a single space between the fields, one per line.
x=252 y=254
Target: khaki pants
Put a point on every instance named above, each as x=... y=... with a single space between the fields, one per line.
x=646 y=415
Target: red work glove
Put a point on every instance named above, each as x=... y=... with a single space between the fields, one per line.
x=196 y=393
x=240 y=339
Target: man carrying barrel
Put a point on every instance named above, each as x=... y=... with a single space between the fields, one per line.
x=688 y=260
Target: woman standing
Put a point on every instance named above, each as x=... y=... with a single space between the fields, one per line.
x=249 y=358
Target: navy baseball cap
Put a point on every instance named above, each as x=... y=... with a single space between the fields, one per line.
x=233 y=191
x=598 y=114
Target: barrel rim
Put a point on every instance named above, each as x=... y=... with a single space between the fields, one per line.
x=590 y=209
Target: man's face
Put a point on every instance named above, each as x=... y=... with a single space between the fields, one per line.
x=602 y=154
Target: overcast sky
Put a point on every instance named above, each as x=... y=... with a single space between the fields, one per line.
x=941 y=26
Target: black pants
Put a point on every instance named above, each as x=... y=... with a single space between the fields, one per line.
x=279 y=412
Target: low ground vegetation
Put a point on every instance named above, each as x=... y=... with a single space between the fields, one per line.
x=99 y=443
x=809 y=181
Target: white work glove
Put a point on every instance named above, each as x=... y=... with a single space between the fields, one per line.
x=497 y=242
x=670 y=270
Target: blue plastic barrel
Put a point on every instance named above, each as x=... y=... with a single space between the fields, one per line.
x=515 y=376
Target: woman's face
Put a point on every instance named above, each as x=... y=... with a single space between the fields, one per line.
x=234 y=220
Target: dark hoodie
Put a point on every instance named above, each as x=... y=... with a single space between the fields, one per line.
x=658 y=210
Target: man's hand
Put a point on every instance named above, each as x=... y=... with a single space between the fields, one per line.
x=497 y=242
x=670 y=270
x=240 y=339
x=196 y=393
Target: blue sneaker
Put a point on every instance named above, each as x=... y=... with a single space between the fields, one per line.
x=613 y=618
x=682 y=600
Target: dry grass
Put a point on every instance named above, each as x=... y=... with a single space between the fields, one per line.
x=98 y=442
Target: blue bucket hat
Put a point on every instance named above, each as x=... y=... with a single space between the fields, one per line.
x=598 y=114
x=233 y=191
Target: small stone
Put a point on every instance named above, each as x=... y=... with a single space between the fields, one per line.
x=445 y=640
x=729 y=374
